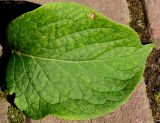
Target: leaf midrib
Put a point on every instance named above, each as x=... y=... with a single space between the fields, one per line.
x=63 y=60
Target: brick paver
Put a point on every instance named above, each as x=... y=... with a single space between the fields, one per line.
x=3 y=110
x=115 y=9
x=153 y=12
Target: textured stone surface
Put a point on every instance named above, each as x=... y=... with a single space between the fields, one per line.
x=153 y=11
x=136 y=110
x=117 y=10
x=3 y=110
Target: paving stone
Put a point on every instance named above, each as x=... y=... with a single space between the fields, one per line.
x=117 y=10
x=153 y=12
x=3 y=110
x=136 y=110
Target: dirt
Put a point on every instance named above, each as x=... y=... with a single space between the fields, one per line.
x=3 y=95
x=152 y=79
x=139 y=22
x=14 y=115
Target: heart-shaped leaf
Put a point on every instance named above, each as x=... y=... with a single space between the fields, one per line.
x=71 y=61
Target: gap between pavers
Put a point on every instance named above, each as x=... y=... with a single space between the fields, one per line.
x=136 y=110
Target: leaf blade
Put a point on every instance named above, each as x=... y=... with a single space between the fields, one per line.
x=73 y=69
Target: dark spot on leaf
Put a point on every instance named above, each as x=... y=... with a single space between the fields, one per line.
x=93 y=15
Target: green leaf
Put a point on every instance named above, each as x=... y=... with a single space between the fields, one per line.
x=71 y=61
